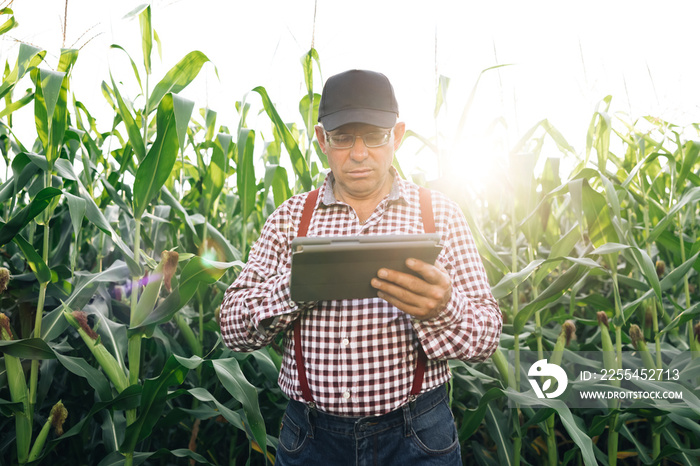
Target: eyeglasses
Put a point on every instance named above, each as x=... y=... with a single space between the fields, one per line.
x=346 y=141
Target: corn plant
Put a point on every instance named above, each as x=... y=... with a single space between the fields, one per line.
x=119 y=238
x=597 y=243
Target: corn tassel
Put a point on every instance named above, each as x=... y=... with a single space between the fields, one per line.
x=109 y=364
x=19 y=393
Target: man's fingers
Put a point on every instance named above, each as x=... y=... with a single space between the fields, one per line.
x=423 y=296
x=403 y=280
x=421 y=303
x=433 y=274
x=397 y=303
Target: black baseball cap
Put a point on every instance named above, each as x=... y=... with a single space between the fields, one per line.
x=358 y=96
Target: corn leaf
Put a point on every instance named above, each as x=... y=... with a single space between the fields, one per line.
x=146 y=37
x=209 y=123
x=562 y=247
x=689 y=157
x=50 y=110
x=117 y=459
x=153 y=398
x=178 y=77
x=579 y=437
x=86 y=283
x=197 y=271
x=170 y=200
x=132 y=129
x=76 y=206
x=513 y=279
x=155 y=168
x=23 y=170
x=22 y=218
x=298 y=162
x=598 y=217
x=35 y=261
x=473 y=418
x=16 y=105
x=553 y=292
x=10 y=23
x=28 y=58
x=183 y=112
x=93 y=213
x=231 y=377
x=648 y=269
x=309 y=110
x=276 y=178
x=498 y=429
x=215 y=176
x=29 y=348
x=690 y=197
x=93 y=376
x=685 y=316
x=245 y=172
x=133 y=64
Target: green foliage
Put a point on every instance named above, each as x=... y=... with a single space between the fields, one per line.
x=87 y=214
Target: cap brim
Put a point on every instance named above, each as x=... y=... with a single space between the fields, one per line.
x=367 y=116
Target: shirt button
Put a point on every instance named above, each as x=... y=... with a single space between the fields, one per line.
x=352 y=216
x=346 y=395
x=292 y=304
x=345 y=342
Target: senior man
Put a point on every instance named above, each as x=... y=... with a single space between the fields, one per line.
x=366 y=377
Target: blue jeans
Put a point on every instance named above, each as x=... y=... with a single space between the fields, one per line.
x=418 y=433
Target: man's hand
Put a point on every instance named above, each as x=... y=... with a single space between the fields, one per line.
x=422 y=298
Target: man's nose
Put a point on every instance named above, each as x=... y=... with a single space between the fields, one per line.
x=359 y=150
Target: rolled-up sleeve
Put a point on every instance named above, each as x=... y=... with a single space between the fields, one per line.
x=257 y=306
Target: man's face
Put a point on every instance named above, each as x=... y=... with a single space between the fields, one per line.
x=361 y=172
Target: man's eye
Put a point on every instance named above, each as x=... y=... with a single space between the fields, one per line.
x=343 y=139
x=376 y=138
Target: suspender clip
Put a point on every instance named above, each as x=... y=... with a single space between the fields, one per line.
x=312 y=408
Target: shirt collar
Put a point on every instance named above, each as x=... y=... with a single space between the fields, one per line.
x=398 y=189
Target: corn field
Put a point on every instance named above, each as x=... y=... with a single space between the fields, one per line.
x=118 y=239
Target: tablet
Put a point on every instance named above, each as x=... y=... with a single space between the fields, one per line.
x=342 y=267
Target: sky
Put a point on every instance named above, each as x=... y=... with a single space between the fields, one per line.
x=563 y=58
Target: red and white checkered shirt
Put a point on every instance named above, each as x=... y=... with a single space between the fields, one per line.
x=360 y=354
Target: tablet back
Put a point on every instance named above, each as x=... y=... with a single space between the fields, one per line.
x=342 y=267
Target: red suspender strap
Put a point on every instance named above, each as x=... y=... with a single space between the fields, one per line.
x=306 y=214
x=426 y=211
x=301 y=368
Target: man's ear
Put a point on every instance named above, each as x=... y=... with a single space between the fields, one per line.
x=321 y=137
x=399 y=130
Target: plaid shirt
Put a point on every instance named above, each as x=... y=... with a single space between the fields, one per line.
x=360 y=354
